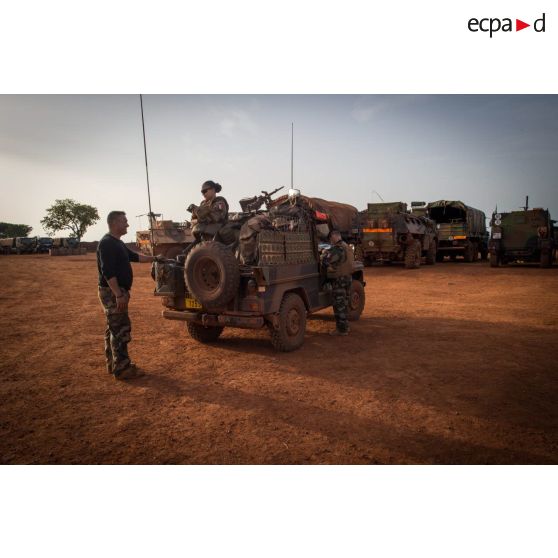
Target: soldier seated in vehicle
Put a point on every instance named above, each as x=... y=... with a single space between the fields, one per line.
x=211 y=215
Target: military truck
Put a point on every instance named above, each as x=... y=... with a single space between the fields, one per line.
x=44 y=244
x=169 y=238
x=274 y=285
x=66 y=246
x=522 y=236
x=461 y=230
x=7 y=245
x=389 y=232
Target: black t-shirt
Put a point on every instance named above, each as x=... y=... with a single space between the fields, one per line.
x=113 y=260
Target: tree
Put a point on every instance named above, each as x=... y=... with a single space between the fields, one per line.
x=70 y=215
x=9 y=230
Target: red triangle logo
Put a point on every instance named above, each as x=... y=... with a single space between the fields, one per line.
x=519 y=25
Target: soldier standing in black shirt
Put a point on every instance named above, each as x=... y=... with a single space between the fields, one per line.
x=115 y=283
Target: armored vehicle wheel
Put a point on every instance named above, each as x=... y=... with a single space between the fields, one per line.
x=211 y=274
x=203 y=334
x=469 y=253
x=484 y=254
x=357 y=298
x=494 y=260
x=289 y=336
x=412 y=255
x=431 y=255
x=546 y=260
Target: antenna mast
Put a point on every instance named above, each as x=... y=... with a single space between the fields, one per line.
x=147 y=175
x=292 y=152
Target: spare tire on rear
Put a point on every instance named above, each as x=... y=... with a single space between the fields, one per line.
x=211 y=274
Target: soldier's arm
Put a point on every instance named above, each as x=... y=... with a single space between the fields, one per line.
x=134 y=256
x=203 y=211
x=337 y=255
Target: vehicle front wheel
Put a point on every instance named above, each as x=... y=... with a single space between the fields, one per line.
x=289 y=335
x=431 y=256
x=203 y=334
x=357 y=300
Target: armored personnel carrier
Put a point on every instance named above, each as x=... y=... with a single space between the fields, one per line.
x=169 y=238
x=522 y=236
x=461 y=230
x=389 y=232
x=273 y=282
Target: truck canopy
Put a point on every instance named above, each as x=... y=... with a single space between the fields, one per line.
x=390 y=207
x=445 y=211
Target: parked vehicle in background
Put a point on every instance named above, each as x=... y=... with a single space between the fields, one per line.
x=66 y=246
x=169 y=238
x=44 y=244
x=528 y=235
x=25 y=244
x=389 y=232
x=461 y=230
x=7 y=245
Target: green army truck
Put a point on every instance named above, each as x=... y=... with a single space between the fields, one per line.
x=461 y=230
x=527 y=235
x=44 y=244
x=66 y=246
x=274 y=282
x=389 y=232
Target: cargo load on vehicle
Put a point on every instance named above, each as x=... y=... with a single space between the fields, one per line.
x=461 y=230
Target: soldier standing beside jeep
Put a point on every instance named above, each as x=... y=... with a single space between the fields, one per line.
x=339 y=264
x=115 y=283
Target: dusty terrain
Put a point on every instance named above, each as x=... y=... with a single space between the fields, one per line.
x=454 y=363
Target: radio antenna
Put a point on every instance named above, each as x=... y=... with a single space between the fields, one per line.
x=147 y=175
x=292 y=152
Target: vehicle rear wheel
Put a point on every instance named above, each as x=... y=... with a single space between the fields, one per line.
x=289 y=335
x=412 y=255
x=431 y=255
x=494 y=260
x=211 y=274
x=204 y=334
x=469 y=252
x=357 y=299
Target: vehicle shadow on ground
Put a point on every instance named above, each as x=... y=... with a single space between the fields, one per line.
x=409 y=444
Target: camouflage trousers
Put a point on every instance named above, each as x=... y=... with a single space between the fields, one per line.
x=117 y=332
x=340 y=293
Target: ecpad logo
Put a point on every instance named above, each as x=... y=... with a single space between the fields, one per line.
x=493 y=25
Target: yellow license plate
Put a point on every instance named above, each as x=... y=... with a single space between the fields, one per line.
x=192 y=303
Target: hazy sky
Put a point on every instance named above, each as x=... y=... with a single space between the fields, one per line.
x=483 y=150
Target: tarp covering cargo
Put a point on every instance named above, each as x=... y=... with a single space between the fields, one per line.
x=341 y=216
x=444 y=211
x=389 y=207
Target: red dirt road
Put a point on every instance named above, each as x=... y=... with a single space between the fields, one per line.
x=454 y=363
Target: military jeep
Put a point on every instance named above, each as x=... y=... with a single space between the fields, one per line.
x=274 y=284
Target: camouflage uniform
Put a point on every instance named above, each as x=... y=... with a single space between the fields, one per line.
x=339 y=268
x=117 y=332
x=212 y=218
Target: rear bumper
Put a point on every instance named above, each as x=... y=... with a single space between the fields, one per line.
x=209 y=320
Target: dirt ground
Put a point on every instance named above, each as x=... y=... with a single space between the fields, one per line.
x=454 y=363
